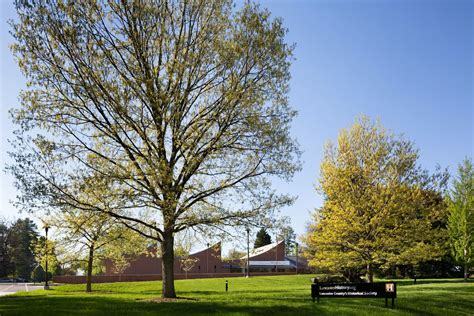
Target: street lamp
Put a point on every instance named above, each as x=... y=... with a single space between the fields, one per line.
x=46 y=227
x=248 y=252
x=296 y=244
x=276 y=252
x=207 y=258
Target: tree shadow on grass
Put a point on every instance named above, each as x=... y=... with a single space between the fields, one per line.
x=88 y=305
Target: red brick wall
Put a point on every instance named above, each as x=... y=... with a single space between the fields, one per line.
x=209 y=262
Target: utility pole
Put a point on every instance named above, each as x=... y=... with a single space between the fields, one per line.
x=248 y=252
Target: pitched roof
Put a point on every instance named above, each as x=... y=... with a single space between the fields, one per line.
x=213 y=248
x=258 y=251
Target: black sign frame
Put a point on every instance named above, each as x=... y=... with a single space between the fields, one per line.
x=355 y=290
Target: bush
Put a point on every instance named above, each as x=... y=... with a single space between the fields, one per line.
x=330 y=278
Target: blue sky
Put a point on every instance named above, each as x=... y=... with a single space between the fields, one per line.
x=408 y=63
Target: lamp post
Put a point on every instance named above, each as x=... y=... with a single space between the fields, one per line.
x=207 y=258
x=296 y=245
x=248 y=252
x=276 y=252
x=46 y=286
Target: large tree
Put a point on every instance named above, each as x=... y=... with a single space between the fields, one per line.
x=380 y=208
x=461 y=216
x=180 y=106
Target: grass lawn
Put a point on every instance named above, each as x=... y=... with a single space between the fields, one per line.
x=280 y=295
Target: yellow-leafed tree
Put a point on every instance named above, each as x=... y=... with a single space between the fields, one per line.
x=380 y=208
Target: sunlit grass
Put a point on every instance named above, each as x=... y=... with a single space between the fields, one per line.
x=255 y=296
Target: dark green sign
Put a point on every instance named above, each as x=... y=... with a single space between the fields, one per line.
x=355 y=290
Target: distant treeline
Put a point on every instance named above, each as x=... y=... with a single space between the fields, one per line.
x=17 y=250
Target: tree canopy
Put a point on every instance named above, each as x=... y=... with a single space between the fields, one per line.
x=380 y=208
x=88 y=234
x=461 y=216
x=17 y=253
x=23 y=233
x=178 y=108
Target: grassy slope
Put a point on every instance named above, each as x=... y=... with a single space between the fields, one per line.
x=259 y=295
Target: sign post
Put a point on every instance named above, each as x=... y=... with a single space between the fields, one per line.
x=355 y=290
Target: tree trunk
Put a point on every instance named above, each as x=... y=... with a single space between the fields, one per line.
x=167 y=264
x=370 y=273
x=465 y=271
x=89 y=269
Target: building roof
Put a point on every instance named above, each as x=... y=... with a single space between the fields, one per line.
x=260 y=250
x=216 y=248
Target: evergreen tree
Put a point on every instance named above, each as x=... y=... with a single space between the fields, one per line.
x=461 y=217
x=23 y=233
x=262 y=238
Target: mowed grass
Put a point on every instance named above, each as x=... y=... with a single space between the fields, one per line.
x=280 y=295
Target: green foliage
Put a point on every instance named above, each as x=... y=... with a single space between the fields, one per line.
x=262 y=238
x=6 y=266
x=123 y=248
x=331 y=278
x=45 y=251
x=380 y=208
x=23 y=233
x=90 y=237
x=461 y=216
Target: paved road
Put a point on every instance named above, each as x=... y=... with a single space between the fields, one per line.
x=10 y=288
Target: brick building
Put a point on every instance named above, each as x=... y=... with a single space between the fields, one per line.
x=269 y=258
x=207 y=261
